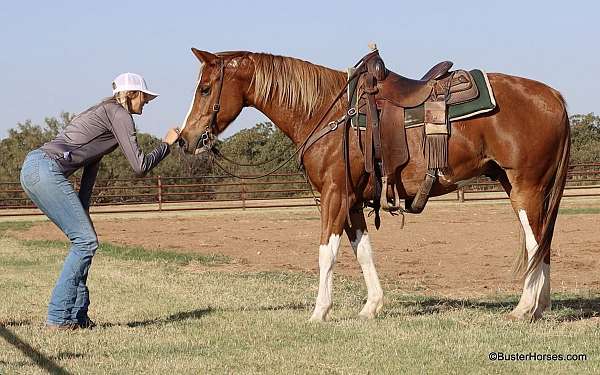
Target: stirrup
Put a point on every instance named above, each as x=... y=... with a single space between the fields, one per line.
x=391 y=205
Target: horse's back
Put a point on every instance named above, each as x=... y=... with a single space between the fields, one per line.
x=529 y=123
x=530 y=113
x=527 y=91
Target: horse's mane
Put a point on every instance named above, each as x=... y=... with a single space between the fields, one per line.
x=294 y=83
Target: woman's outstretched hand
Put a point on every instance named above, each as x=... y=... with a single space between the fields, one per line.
x=172 y=136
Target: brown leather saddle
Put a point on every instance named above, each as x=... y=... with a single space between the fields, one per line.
x=384 y=96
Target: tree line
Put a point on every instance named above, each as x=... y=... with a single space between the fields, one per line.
x=262 y=143
x=259 y=144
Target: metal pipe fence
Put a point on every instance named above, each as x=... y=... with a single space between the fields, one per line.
x=170 y=193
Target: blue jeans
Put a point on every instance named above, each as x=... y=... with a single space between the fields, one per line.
x=52 y=192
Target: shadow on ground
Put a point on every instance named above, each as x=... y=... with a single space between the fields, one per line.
x=178 y=317
x=564 y=309
x=15 y=323
x=45 y=362
x=200 y=313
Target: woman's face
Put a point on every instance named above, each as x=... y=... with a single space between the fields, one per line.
x=138 y=100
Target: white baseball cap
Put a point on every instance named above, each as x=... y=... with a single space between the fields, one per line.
x=131 y=82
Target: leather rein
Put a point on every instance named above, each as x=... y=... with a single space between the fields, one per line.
x=209 y=135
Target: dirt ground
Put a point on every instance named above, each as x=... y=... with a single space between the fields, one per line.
x=451 y=249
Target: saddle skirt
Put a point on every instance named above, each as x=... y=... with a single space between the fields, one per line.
x=403 y=102
x=386 y=103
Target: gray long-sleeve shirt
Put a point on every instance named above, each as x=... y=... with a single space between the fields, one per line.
x=97 y=132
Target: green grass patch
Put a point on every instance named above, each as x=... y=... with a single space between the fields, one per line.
x=580 y=211
x=45 y=244
x=16 y=262
x=15 y=225
x=142 y=254
x=137 y=253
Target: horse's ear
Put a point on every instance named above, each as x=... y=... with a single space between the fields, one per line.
x=203 y=56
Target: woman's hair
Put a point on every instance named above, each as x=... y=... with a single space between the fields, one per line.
x=122 y=97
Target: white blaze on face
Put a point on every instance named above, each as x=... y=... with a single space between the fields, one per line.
x=193 y=99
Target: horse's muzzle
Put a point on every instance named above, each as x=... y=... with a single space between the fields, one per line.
x=197 y=146
x=186 y=146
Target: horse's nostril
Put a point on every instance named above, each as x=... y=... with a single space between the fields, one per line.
x=181 y=142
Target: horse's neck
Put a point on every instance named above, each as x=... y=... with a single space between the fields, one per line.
x=293 y=122
x=282 y=118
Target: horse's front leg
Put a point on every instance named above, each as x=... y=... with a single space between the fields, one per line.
x=333 y=219
x=361 y=245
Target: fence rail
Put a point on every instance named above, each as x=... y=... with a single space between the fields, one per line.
x=168 y=193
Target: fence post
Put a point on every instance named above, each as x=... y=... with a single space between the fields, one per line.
x=460 y=192
x=243 y=195
x=159 y=184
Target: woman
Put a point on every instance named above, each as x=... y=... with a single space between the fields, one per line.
x=82 y=144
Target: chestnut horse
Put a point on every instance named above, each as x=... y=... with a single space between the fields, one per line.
x=524 y=144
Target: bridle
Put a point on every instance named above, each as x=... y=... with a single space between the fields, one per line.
x=207 y=138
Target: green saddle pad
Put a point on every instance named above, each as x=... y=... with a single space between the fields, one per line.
x=415 y=116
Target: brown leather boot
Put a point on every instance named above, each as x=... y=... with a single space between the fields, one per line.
x=87 y=323
x=62 y=327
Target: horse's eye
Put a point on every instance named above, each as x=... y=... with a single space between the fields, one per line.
x=204 y=90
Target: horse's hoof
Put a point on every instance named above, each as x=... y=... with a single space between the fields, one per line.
x=521 y=316
x=319 y=315
x=366 y=316
x=513 y=317
x=368 y=312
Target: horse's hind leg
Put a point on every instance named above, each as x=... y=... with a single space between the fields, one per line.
x=361 y=245
x=528 y=204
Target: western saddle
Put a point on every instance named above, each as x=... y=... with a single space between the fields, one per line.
x=384 y=96
x=406 y=92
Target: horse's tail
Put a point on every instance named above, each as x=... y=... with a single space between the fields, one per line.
x=552 y=198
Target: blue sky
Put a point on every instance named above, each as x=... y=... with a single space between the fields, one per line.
x=62 y=55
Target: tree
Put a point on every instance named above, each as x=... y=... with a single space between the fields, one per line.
x=259 y=144
x=585 y=138
x=263 y=143
x=26 y=137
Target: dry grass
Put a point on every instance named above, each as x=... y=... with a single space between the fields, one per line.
x=155 y=315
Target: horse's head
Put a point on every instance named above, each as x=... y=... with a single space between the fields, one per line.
x=219 y=98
